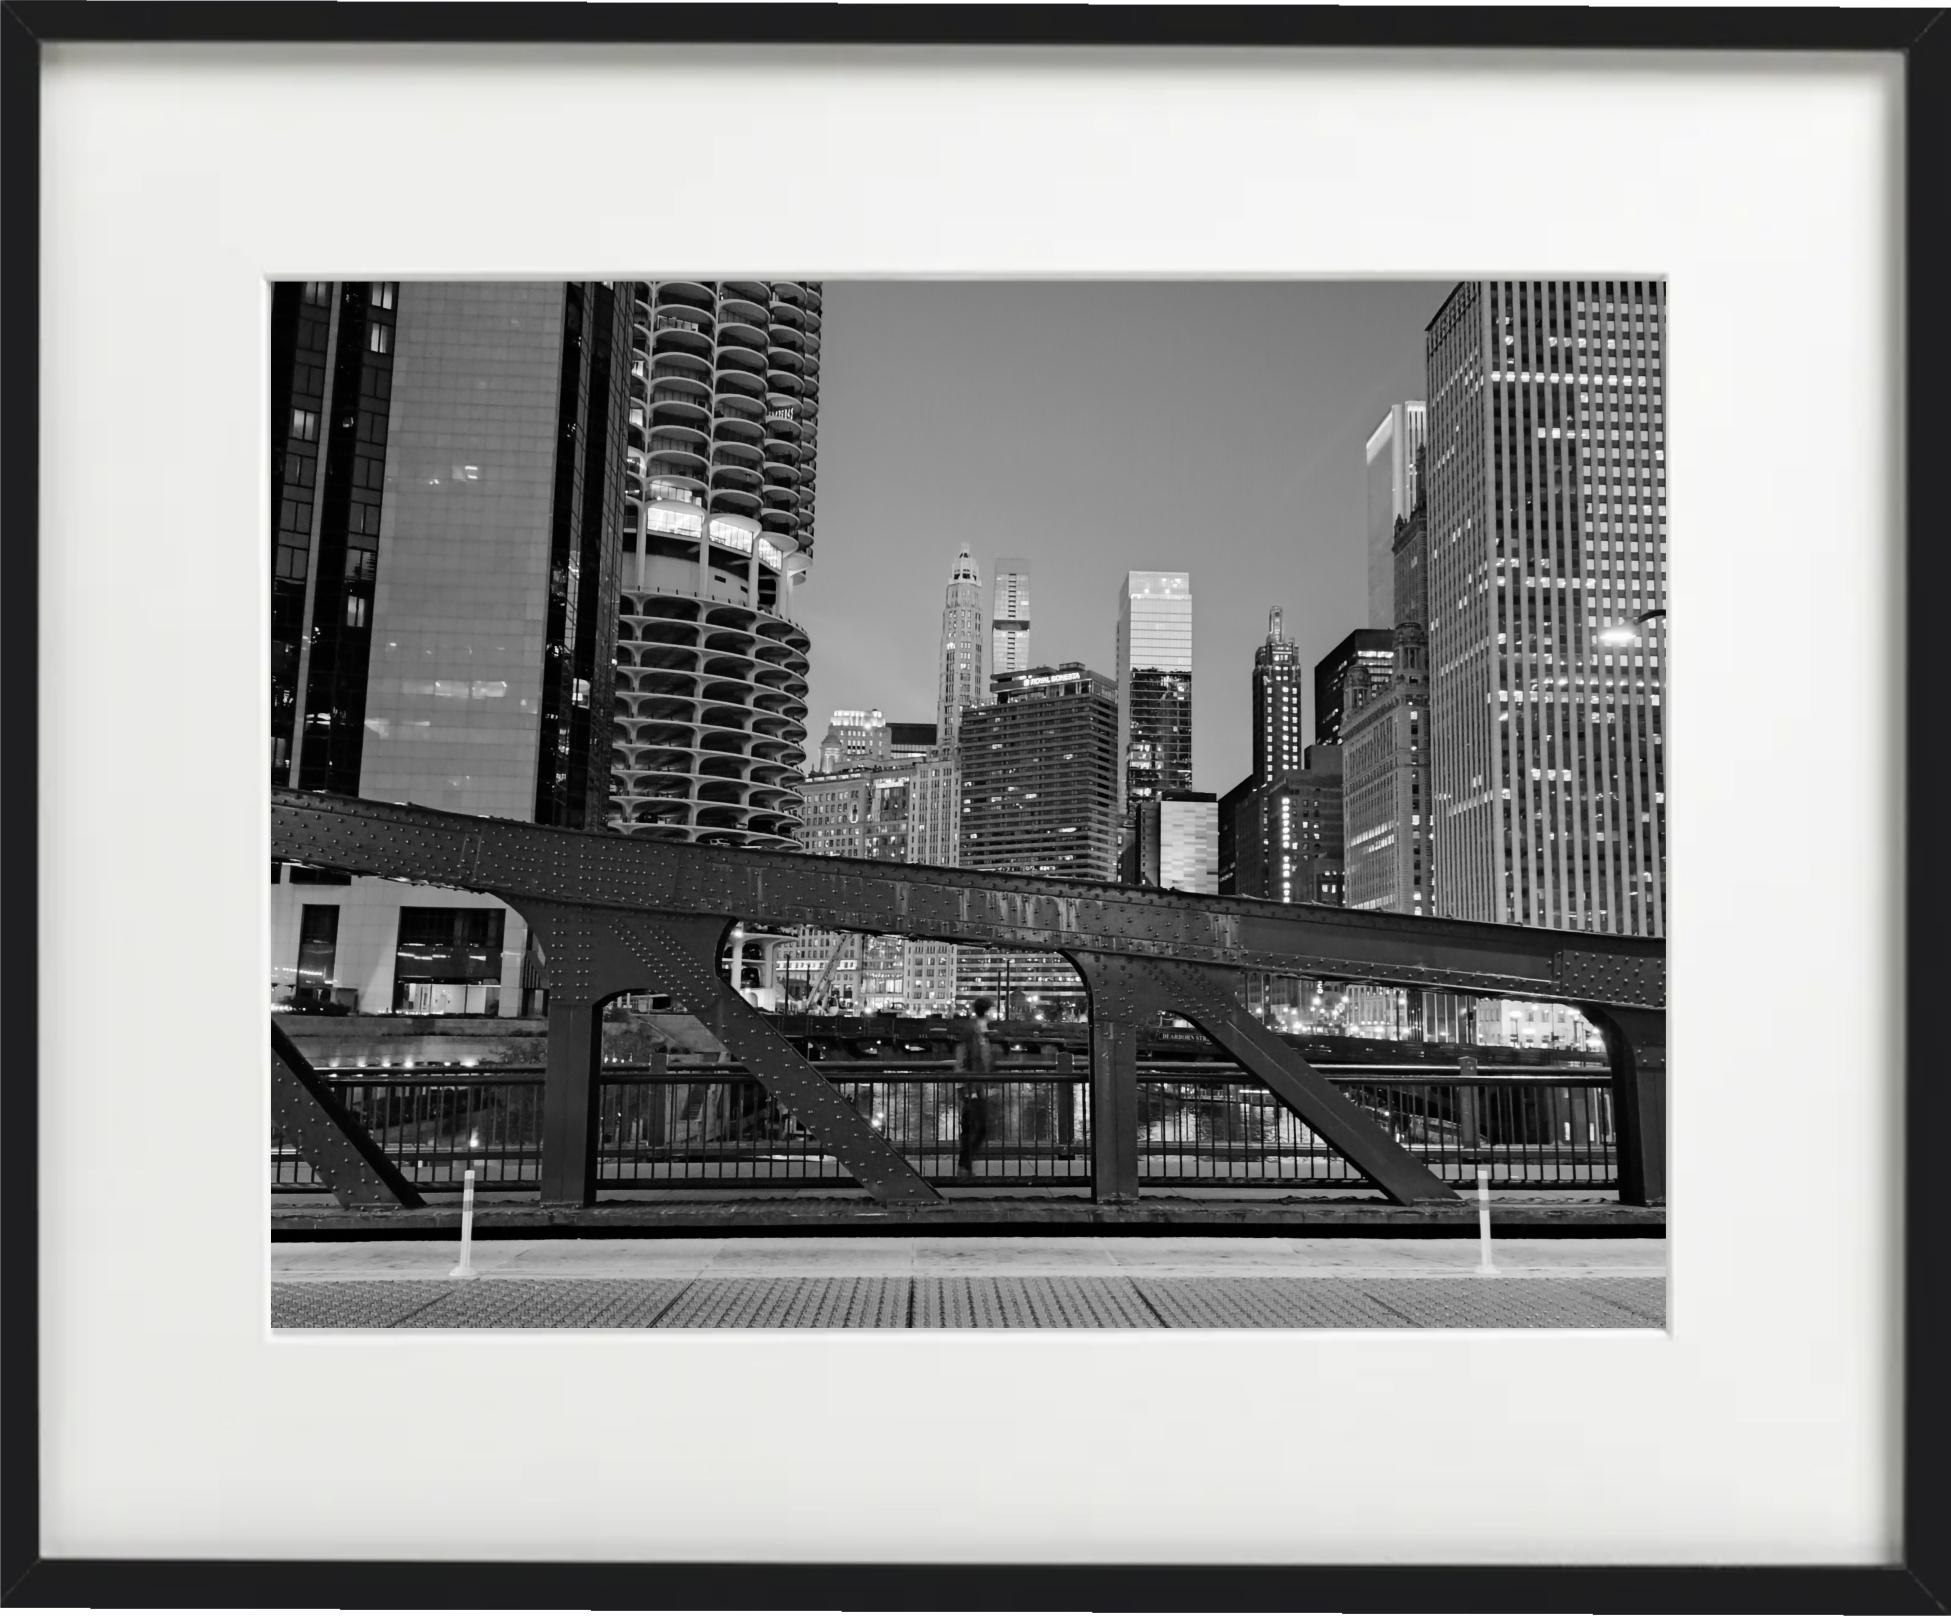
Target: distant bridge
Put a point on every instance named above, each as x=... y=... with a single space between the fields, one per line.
x=615 y=914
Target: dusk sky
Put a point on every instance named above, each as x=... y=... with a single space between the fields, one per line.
x=1211 y=427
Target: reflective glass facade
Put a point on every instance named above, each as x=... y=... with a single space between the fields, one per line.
x=458 y=586
x=1154 y=736
x=344 y=533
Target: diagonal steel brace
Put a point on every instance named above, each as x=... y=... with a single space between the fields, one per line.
x=683 y=954
x=1207 y=997
x=328 y=1136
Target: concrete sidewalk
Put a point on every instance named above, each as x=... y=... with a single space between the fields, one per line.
x=939 y=1282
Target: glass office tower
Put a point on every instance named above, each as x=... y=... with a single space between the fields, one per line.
x=1547 y=547
x=1154 y=685
x=447 y=509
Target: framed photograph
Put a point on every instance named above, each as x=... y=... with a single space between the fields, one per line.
x=1083 y=807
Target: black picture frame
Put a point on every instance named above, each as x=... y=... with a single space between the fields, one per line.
x=1921 y=1581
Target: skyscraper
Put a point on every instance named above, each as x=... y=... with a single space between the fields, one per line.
x=1039 y=797
x=1392 y=474
x=1277 y=733
x=1009 y=623
x=1154 y=685
x=720 y=471
x=1385 y=780
x=1547 y=526
x=960 y=685
x=1372 y=648
x=443 y=601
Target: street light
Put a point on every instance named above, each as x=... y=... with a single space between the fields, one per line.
x=1628 y=633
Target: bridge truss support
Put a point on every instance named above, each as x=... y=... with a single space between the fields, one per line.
x=619 y=914
x=1636 y=1051
x=332 y=1141
x=592 y=956
x=1127 y=991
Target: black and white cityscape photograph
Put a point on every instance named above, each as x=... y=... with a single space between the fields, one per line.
x=968 y=804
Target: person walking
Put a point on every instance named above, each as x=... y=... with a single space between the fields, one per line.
x=974 y=1059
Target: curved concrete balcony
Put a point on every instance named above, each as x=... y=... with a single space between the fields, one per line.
x=710 y=710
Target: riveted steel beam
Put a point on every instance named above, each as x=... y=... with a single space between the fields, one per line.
x=1213 y=1001
x=1119 y=1000
x=1636 y=1048
x=607 y=871
x=584 y=965
x=316 y=1123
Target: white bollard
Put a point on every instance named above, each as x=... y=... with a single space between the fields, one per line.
x=1484 y=1264
x=466 y=1269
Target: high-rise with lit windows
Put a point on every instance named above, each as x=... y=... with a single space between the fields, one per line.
x=1547 y=527
x=854 y=737
x=1154 y=685
x=1278 y=738
x=720 y=471
x=447 y=508
x=1039 y=797
x=1284 y=836
x=1009 y=618
x=959 y=684
x=903 y=811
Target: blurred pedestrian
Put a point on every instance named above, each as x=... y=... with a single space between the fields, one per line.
x=973 y=1058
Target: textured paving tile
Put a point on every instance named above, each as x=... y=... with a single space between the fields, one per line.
x=352 y=1304
x=976 y=1302
x=979 y=1302
x=1642 y=1295
x=549 y=1304
x=1271 y=1303
x=1502 y=1303
x=855 y=1303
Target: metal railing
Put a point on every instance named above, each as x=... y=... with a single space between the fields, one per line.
x=1538 y=1131
x=713 y=1126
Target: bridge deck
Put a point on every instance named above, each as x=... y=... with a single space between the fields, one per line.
x=928 y=1283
